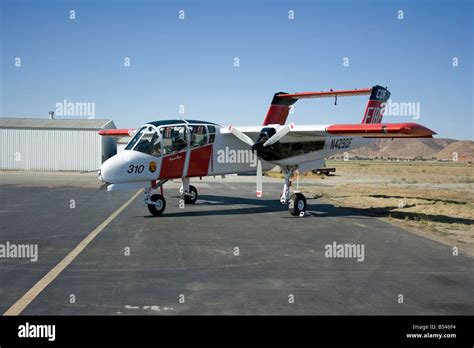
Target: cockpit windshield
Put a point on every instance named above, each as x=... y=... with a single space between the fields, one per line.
x=147 y=140
x=137 y=136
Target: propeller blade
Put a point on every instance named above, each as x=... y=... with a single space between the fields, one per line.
x=89 y=171
x=279 y=134
x=246 y=139
x=259 y=179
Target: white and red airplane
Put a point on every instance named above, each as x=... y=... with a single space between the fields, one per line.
x=184 y=149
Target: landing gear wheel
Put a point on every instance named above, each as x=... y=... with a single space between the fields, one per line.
x=160 y=204
x=297 y=204
x=192 y=197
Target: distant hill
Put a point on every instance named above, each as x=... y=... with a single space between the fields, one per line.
x=439 y=148
x=462 y=147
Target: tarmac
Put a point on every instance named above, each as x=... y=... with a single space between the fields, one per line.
x=230 y=253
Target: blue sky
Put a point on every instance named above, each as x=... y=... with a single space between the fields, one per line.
x=190 y=62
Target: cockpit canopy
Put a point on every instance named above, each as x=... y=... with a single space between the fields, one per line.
x=162 y=138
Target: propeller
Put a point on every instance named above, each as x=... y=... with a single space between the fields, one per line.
x=272 y=140
x=246 y=139
x=259 y=179
x=89 y=171
x=279 y=134
x=243 y=137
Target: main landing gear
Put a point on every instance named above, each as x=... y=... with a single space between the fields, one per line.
x=297 y=201
x=191 y=196
x=156 y=203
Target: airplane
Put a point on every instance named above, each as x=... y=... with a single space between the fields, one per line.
x=183 y=149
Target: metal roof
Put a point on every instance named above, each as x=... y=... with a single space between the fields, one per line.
x=122 y=140
x=46 y=123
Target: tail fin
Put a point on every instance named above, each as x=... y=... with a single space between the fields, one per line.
x=279 y=109
x=376 y=105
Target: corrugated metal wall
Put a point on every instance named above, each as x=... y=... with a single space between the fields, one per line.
x=120 y=147
x=50 y=150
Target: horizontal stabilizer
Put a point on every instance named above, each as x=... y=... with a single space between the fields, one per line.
x=342 y=93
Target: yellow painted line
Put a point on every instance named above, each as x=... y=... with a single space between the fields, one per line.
x=27 y=298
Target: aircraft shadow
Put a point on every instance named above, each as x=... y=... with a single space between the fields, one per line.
x=420 y=198
x=321 y=210
x=256 y=206
x=407 y=215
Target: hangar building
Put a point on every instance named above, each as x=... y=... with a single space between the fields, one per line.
x=42 y=144
x=121 y=143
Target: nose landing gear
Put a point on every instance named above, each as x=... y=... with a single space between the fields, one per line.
x=157 y=204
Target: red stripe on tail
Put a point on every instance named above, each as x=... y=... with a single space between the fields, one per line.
x=376 y=105
x=277 y=114
x=279 y=109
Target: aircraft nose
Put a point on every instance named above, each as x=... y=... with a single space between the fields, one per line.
x=107 y=169
x=99 y=174
x=102 y=172
x=128 y=166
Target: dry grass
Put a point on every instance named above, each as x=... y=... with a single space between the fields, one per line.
x=443 y=214
x=401 y=172
x=410 y=172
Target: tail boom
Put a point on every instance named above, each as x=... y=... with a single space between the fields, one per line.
x=281 y=102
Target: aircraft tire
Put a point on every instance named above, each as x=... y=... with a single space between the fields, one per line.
x=297 y=204
x=193 y=197
x=158 y=209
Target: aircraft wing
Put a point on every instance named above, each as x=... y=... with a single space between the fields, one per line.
x=306 y=133
x=382 y=130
